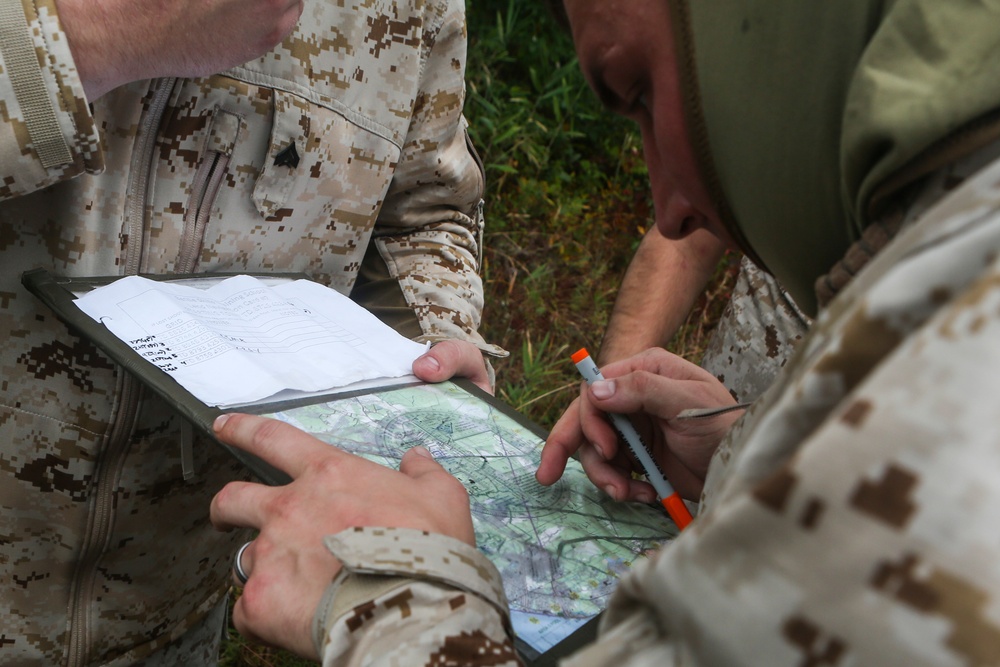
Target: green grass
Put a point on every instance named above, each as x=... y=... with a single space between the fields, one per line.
x=567 y=204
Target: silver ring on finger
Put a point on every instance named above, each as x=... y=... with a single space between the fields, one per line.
x=241 y=575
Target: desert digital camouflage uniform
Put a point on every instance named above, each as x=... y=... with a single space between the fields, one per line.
x=756 y=335
x=408 y=598
x=342 y=153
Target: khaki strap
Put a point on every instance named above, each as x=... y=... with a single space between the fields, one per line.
x=25 y=75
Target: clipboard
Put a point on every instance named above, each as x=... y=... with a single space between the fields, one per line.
x=59 y=293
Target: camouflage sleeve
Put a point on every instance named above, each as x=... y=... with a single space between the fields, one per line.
x=47 y=133
x=406 y=597
x=852 y=519
x=429 y=231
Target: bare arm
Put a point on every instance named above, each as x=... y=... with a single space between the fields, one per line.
x=662 y=283
x=116 y=41
x=61 y=55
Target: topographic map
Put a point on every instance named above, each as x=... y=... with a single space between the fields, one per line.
x=560 y=549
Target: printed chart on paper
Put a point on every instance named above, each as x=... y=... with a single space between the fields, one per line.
x=560 y=549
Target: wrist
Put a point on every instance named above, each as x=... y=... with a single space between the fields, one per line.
x=378 y=561
x=348 y=591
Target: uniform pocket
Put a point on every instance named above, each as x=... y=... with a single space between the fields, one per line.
x=320 y=189
x=321 y=164
x=222 y=137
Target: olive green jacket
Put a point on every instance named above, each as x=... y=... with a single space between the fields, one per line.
x=808 y=116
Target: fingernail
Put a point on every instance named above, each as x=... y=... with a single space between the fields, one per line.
x=647 y=497
x=422 y=451
x=610 y=490
x=603 y=389
x=430 y=361
x=219 y=422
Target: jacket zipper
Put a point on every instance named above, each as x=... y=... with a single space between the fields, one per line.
x=109 y=468
x=203 y=192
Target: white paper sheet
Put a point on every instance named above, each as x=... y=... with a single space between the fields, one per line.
x=240 y=341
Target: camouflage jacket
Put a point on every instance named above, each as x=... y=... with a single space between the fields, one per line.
x=342 y=154
x=848 y=519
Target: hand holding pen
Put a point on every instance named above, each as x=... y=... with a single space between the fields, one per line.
x=651 y=388
x=670 y=499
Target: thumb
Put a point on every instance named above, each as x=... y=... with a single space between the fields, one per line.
x=417 y=462
x=453 y=358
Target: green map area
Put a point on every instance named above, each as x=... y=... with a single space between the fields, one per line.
x=560 y=549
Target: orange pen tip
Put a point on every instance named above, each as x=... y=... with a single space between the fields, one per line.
x=677 y=510
x=579 y=355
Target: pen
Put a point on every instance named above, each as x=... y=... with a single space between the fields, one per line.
x=670 y=499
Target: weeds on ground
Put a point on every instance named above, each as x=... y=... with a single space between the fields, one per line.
x=567 y=203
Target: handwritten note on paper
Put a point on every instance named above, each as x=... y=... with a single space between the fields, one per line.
x=239 y=340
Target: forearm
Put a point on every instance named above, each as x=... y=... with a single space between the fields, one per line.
x=115 y=42
x=661 y=285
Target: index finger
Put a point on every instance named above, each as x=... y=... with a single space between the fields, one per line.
x=282 y=445
x=581 y=426
x=563 y=441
